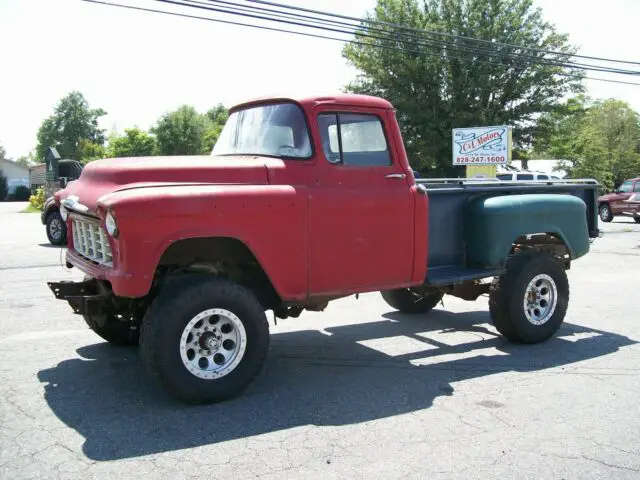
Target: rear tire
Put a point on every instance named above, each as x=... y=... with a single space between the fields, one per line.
x=636 y=219
x=113 y=330
x=529 y=301
x=605 y=212
x=205 y=340
x=406 y=301
x=56 y=229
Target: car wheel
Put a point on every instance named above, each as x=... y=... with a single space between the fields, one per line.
x=56 y=229
x=605 y=212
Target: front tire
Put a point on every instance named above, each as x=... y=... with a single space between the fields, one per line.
x=636 y=219
x=56 y=229
x=529 y=301
x=205 y=341
x=408 y=301
x=605 y=213
x=112 y=330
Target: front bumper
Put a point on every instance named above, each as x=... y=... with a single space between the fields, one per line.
x=122 y=283
x=85 y=298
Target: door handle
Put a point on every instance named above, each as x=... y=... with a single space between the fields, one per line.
x=396 y=175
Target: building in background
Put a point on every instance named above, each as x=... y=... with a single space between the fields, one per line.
x=37 y=174
x=16 y=173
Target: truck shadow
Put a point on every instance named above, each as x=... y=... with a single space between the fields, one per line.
x=339 y=376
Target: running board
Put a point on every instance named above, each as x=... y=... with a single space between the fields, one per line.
x=452 y=274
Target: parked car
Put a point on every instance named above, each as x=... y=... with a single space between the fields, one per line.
x=56 y=228
x=525 y=175
x=315 y=201
x=617 y=203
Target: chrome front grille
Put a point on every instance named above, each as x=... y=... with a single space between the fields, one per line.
x=90 y=240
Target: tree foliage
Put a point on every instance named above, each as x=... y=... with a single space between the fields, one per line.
x=72 y=128
x=437 y=88
x=133 y=143
x=181 y=132
x=593 y=139
x=188 y=132
x=3 y=152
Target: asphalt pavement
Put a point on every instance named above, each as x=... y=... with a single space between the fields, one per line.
x=357 y=392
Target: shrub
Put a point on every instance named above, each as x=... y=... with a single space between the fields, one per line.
x=37 y=200
x=21 y=193
x=4 y=187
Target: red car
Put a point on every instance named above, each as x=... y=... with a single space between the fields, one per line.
x=621 y=202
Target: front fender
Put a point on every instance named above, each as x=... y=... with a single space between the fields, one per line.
x=270 y=220
x=493 y=224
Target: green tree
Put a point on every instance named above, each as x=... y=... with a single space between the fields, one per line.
x=71 y=128
x=217 y=116
x=182 y=132
x=437 y=87
x=3 y=152
x=133 y=143
x=598 y=140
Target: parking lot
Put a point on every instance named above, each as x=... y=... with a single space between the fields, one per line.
x=358 y=391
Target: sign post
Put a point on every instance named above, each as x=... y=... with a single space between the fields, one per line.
x=482 y=149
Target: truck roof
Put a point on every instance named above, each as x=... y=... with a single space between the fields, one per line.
x=351 y=99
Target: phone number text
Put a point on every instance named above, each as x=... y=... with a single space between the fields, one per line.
x=489 y=160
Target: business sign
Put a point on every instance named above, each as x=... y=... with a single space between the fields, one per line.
x=482 y=146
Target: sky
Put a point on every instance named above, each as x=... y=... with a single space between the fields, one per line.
x=138 y=65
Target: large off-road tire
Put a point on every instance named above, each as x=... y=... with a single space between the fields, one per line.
x=637 y=219
x=604 y=210
x=56 y=229
x=406 y=301
x=113 y=330
x=529 y=301
x=205 y=340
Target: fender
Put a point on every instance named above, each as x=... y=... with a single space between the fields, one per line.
x=270 y=220
x=493 y=224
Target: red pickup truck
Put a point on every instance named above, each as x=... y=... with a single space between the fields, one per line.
x=304 y=201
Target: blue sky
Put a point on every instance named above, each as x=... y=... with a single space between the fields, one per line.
x=137 y=65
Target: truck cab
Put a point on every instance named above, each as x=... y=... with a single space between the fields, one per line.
x=301 y=202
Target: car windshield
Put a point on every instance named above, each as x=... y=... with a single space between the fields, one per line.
x=625 y=187
x=277 y=130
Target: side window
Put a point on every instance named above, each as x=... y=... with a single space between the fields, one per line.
x=525 y=176
x=504 y=176
x=354 y=139
x=543 y=177
x=636 y=187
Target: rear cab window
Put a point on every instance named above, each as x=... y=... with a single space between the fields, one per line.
x=354 y=139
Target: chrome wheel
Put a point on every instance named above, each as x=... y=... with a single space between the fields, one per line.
x=540 y=299
x=213 y=343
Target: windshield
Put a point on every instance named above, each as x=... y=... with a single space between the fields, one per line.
x=625 y=187
x=277 y=130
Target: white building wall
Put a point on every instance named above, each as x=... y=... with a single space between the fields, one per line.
x=16 y=174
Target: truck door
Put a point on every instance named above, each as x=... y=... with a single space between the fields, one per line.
x=361 y=212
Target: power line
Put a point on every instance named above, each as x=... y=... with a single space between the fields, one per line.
x=208 y=7
x=273 y=29
x=450 y=35
x=274 y=15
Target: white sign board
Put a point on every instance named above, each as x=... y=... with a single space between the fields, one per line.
x=482 y=145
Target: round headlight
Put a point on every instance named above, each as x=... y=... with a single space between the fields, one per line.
x=64 y=213
x=110 y=224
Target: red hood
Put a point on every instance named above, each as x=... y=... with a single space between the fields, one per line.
x=110 y=175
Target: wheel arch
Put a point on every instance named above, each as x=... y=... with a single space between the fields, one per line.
x=224 y=256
